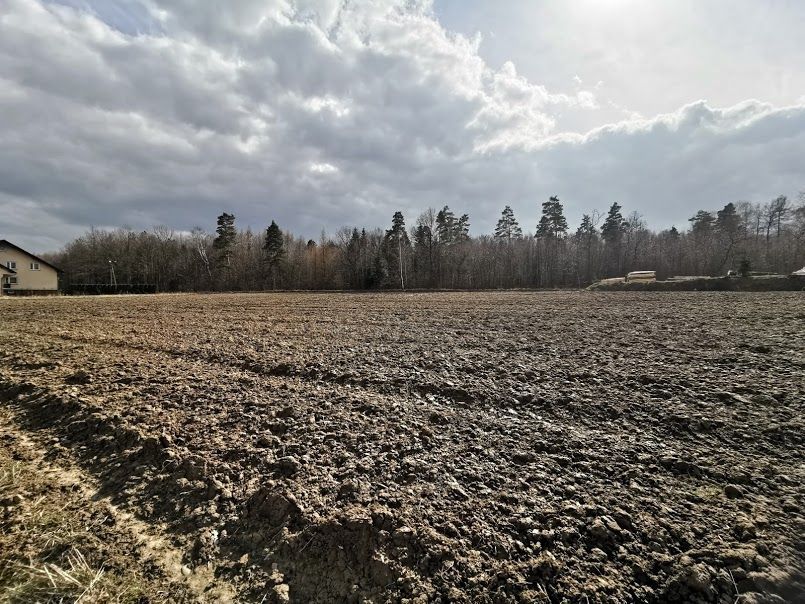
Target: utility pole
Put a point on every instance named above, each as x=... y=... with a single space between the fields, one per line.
x=112 y=277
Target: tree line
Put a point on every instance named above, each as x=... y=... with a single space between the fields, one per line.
x=437 y=251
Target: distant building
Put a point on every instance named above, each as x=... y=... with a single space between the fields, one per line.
x=23 y=273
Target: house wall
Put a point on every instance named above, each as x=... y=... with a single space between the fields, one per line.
x=3 y=276
x=46 y=278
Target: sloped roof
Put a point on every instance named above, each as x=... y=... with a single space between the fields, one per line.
x=7 y=271
x=7 y=243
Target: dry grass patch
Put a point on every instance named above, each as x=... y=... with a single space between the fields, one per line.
x=55 y=544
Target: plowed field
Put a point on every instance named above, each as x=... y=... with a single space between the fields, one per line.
x=453 y=447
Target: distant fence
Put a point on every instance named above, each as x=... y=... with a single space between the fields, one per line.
x=97 y=289
x=30 y=292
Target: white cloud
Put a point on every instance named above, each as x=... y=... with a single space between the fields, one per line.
x=317 y=112
x=323 y=168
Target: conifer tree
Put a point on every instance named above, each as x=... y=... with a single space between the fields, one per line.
x=586 y=229
x=553 y=222
x=273 y=251
x=727 y=220
x=397 y=244
x=508 y=229
x=445 y=225
x=462 y=232
x=701 y=225
x=612 y=229
x=224 y=241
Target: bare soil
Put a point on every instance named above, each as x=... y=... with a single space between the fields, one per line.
x=453 y=447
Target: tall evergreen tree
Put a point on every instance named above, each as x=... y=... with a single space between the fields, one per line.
x=508 y=229
x=224 y=241
x=612 y=229
x=462 y=232
x=586 y=238
x=445 y=225
x=397 y=244
x=701 y=225
x=426 y=252
x=728 y=229
x=612 y=232
x=397 y=230
x=273 y=251
x=586 y=229
x=727 y=220
x=553 y=222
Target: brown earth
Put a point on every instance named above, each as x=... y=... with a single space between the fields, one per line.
x=60 y=541
x=465 y=447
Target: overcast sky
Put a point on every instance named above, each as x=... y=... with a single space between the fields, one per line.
x=324 y=113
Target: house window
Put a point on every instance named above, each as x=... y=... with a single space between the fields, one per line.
x=34 y=266
x=11 y=264
x=12 y=280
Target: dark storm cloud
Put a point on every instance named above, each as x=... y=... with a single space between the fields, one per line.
x=318 y=115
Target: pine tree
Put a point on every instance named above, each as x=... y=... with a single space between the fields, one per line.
x=727 y=220
x=397 y=244
x=727 y=228
x=586 y=237
x=508 y=229
x=612 y=229
x=445 y=225
x=553 y=222
x=462 y=232
x=273 y=244
x=224 y=241
x=397 y=230
x=273 y=251
x=702 y=224
x=586 y=229
x=378 y=274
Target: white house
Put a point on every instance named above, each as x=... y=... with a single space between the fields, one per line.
x=23 y=273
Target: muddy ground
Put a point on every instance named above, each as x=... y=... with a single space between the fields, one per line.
x=453 y=447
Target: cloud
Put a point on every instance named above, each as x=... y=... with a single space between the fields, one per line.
x=319 y=113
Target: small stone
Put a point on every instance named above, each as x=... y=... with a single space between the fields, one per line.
x=186 y=571
x=733 y=491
